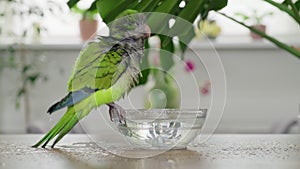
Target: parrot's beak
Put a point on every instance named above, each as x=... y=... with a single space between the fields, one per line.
x=147 y=31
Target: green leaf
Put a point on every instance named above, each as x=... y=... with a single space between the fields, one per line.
x=285 y=3
x=297 y=4
x=185 y=39
x=33 y=78
x=26 y=68
x=106 y=7
x=145 y=66
x=243 y=16
x=294 y=10
x=191 y=10
x=144 y=77
x=217 y=4
x=93 y=6
x=20 y=92
x=152 y=6
x=167 y=5
x=166 y=52
x=45 y=78
x=17 y=104
x=110 y=9
x=11 y=61
x=160 y=23
x=24 y=33
x=72 y=3
x=189 y=13
x=212 y=5
x=144 y=4
x=284 y=8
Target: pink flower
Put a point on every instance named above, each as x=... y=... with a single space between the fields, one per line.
x=205 y=88
x=204 y=91
x=189 y=66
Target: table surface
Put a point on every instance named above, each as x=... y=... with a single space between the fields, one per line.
x=218 y=152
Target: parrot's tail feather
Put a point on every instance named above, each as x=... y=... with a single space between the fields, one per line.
x=66 y=129
x=67 y=122
x=57 y=128
x=71 y=99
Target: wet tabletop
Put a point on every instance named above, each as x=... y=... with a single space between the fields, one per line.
x=218 y=152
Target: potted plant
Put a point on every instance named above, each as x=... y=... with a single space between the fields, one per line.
x=88 y=24
x=256 y=20
x=14 y=55
x=30 y=15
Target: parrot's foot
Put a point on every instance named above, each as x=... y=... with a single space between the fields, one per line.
x=116 y=110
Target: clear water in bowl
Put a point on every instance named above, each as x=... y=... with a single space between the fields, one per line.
x=162 y=129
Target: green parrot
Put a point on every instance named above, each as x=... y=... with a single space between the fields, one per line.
x=106 y=69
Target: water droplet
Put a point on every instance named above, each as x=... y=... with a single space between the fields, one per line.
x=105 y=154
x=3 y=164
x=42 y=58
x=171 y=164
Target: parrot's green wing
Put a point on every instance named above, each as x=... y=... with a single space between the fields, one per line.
x=94 y=70
x=98 y=69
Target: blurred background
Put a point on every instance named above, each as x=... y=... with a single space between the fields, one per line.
x=40 y=40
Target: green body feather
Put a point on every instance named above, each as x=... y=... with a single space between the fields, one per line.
x=108 y=66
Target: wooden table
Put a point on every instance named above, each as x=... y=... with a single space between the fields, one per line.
x=220 y=151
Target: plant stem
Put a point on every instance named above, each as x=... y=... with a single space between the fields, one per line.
x=285 y=9
x=278 y=43
x=295 y=10
x=26 y=94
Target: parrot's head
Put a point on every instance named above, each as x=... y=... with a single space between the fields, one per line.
x=130 y=24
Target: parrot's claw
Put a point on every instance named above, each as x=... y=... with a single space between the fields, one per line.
x=116 y=111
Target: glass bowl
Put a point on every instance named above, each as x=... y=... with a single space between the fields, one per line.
x=162 y=128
